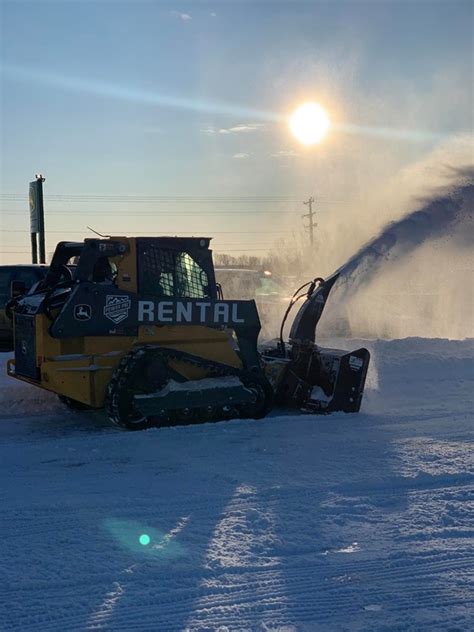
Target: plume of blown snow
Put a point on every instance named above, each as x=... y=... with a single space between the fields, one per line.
x=414 y=278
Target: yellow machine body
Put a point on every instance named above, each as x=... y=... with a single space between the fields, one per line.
x=81 y=368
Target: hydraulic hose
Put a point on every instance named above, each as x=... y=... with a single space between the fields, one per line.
x=294 y=299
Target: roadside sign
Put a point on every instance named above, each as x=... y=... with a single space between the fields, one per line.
x=35 y=208
x=35 y=196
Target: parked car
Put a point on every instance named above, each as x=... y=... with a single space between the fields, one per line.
x=29 y=274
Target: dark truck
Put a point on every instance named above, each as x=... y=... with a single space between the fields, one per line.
x=29 y=274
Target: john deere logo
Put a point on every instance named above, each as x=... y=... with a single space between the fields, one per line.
x=82 y=312
x=116 y=308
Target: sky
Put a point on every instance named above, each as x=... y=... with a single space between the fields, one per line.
x=177 y=111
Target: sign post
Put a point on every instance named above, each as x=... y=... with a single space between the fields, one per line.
x=37 y=220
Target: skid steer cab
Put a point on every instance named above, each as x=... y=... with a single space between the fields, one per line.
x=137 y=327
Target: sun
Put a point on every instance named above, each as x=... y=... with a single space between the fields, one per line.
x=309 y=123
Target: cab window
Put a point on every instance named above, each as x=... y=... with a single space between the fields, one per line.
x=172 y=273
x=29 y=277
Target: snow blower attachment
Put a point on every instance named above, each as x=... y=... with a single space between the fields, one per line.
x=138 y=327
x=314 y=378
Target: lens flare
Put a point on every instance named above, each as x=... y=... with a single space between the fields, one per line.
x=309 y=123
x=144 y=539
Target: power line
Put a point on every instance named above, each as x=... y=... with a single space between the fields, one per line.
x=21 y=197
x=26 y=252
x=242 y=202
x=230 y=243
x=164 y=198
x=188 y=233
x=156 y=213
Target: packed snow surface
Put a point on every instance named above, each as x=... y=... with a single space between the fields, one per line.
x=292 y=523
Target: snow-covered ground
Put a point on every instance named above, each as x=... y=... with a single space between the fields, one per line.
x=342 y=522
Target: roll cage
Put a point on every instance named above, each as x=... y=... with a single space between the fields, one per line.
x=165 y=266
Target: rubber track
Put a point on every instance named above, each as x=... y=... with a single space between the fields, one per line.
x=128 y=363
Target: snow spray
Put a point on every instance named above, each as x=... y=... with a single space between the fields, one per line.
x=412 y=278
x=448 y=217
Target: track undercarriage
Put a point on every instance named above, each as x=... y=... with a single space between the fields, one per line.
x=148 y=389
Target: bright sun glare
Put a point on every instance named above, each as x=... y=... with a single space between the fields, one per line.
x=309 y=123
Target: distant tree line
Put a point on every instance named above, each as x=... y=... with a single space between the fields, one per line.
x=288 y=257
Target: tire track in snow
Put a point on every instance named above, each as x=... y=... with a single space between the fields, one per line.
x=297 y=584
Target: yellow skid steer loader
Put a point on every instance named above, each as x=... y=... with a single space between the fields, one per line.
x=139 y=326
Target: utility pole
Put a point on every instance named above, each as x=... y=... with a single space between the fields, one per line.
x=312 y=225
